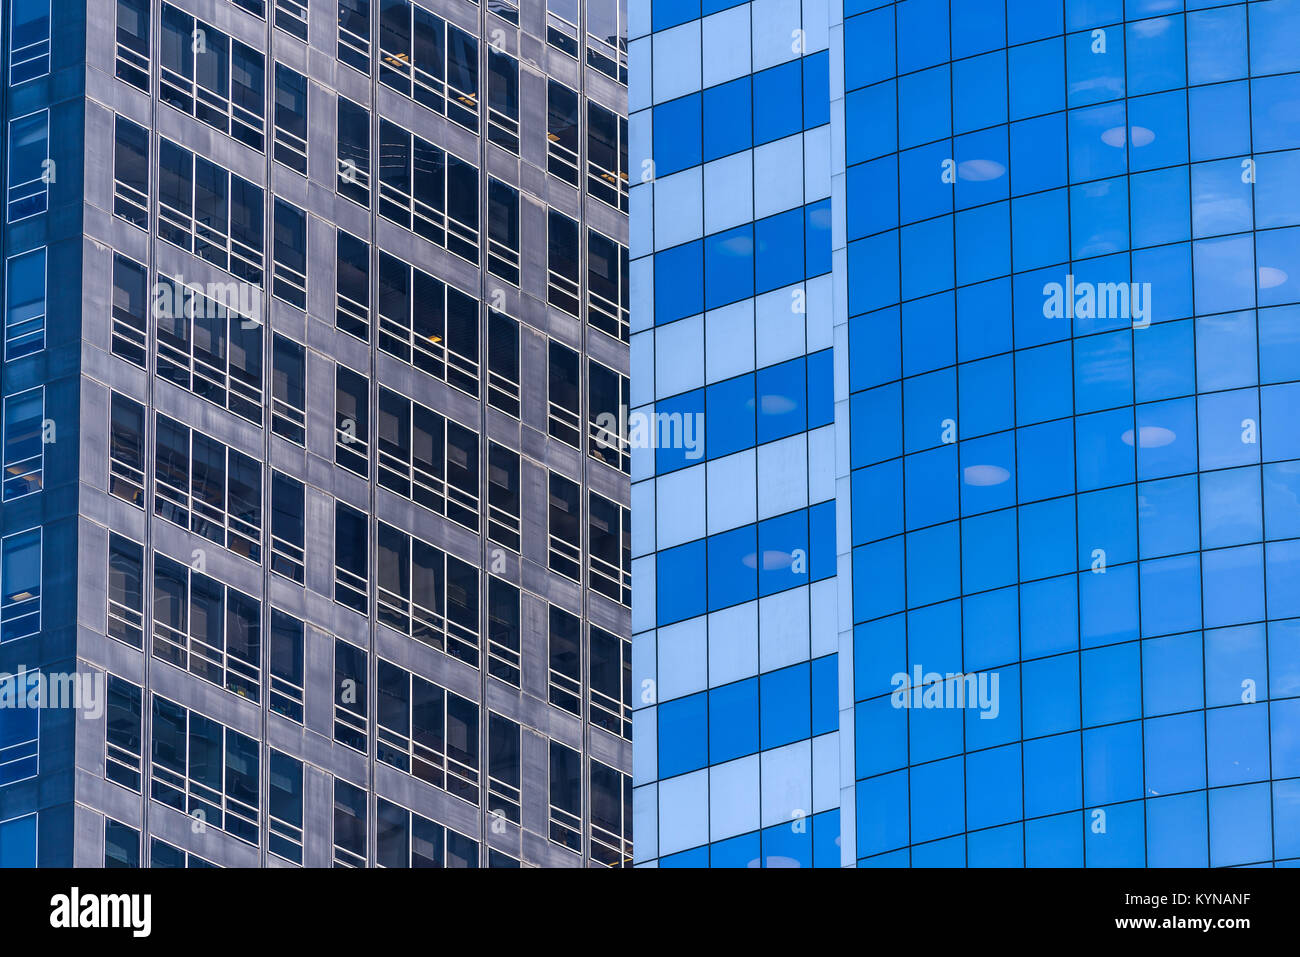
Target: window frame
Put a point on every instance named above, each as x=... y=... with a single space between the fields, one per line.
x=165 y=780
x=31 y=604
x=346 y=856
x=244 y=260
x=239 y=535
x=281 y=686
x=435 y=487
x=189 y=94
x=504 y=523
x=615 y=443
x=118 y=754
x=561 y=33
x=295 y=12
x=504 y=240
x=288 y=282
x=132 y=65
x=614 y=317
x=351 y=315
x=455 y=771
x=281 y=832
x=42 y=45
x=130 y=203
x=40 y=196
x=351 y=723
x=564 y=689
x=288 y=421
x=28 y=749
x=563 y=272
x=610 y=186
x=109 y=825
x=130 y=618
x=129 y=337
x=451 y=220
x=180 y=359
x=428 y=618
x=603 y=575
x=453 y=321
x=36 y=474
x=564 y=826
x=562 y=158
x=238 y=673
x=609 y=847
x=445 y=836
x=503 y=118
x=288 y=557
x=124 y=476
x=504 y=658
x=354 y=587
x=503 y=386
x=357 y=50
x=564 y=557
x=504 y=797
x=353 y=179
x=36 y=839
x=352 y=446
x=603 y=709
x=609 y=58
x=10 y=353
x=563 y=399
x=286 y=143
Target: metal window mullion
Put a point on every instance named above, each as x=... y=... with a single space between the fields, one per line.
x=372 y=405
x=485 y=546
x=153 y=178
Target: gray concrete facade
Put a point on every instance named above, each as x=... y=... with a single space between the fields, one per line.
x=99 y=514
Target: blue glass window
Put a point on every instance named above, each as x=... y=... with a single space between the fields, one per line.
x=787 y=846
x=729 y=416
x=25 y=304
x=19 y=726
x=29 y=32
x=778 y=102
x=677 y=132
x=670 y=13
x=817 y=90
x=683 y=735
x=732 y=568
x=871 y=37
x=728 y=118
x=671 y=455
x=742 y=851
x=786 y=707
x=679 y=282
x=18 y=842
x=29 y=148
x=779 y=250
x=20 y=585
x=729 y=266
x=782 y=400
x=733 y=721
x=680 y=583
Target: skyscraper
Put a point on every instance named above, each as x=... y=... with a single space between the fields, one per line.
x=736 y=751
x=1066 y=278
x=310 y=310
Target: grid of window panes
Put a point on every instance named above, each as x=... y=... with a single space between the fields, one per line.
x=354 y=492
x=734 y=658
x=33 y=394
x=1073 y=252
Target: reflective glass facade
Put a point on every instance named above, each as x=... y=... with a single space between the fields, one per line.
x=1072 y=264
x=733 y=517
x=1066 y=361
